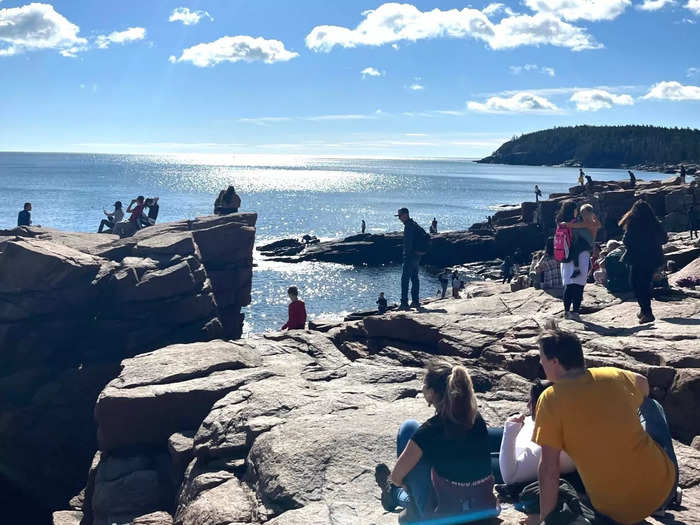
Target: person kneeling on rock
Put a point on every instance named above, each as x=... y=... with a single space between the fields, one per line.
x=297 y=311
x=448 y=456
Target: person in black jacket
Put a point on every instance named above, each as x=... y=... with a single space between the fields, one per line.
x=644 y=237
x=412 y=233
x=24 y=217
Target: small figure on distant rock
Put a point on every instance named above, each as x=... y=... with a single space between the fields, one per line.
x=538 y=193
x=507 y=269
x=581 y=176
x=227 y=202
x=364 y=226
x=456 y=284
x=297 y=311
x=381 y=303
x=589 y=183
x=444 y=278
x=433 y=226
x=24 y=217
x=693 y=212
x=682 y=176
x=489 y=222
x=112 y=217
x=633 y=179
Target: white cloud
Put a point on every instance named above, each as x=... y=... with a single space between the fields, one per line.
x=416 y=87
x=522 y=102
x=187 y=17
x=37 y=26
x=235 y=49
x=121 y=37
x=595 y=99
x=352 y=116
x=694 y=6
x=592 y=10
x=371 y=72
x=654 y=5
x=672 y=90
x=692 y=72
x=516 y=70
x=393 y=22
x=264 y=121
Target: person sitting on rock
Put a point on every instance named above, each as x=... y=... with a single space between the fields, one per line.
x=433 y=227
x=297 y=311
x=519 y=456
x=381 y=303
x=153 y=209
x=112 y=217
x=604 y=419
x=128 y=228
x=548 y=268
x=24 y=217
x=227 y=202
x=447 y=456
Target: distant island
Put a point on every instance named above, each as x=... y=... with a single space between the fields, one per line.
x=638 y=147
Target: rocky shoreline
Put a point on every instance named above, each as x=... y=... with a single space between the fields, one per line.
x=126 y=396
x=524 y=227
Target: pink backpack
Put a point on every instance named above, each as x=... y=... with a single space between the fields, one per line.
x=562 y=243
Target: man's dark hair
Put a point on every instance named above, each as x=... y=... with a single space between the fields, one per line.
x=293 y=290
x=563 y=345
x=27 y=205
x=140 y=198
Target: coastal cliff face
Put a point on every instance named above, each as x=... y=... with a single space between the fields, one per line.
x=286 y=428
x=72 y=306
x=524 y=227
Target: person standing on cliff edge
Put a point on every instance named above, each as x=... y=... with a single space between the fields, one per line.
x=581 y=175
x=414 y=247
x=538 y=193
x=364 y=226
x=297 y=311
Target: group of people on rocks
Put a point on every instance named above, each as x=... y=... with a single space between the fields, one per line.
x=144 y=212
x=594 y=431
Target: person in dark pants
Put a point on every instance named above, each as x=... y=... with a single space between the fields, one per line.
x=682 y=176
x=381 y=303
x=538 y=193
x=644 y=237
x=24 y=217
x=112 y=218
x=411 y=260
x=633 y=179
x=693 y=212
x=364 y=226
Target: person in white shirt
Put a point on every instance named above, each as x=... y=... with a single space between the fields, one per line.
x=456 y=284
x=113 y=217
x=519 y=456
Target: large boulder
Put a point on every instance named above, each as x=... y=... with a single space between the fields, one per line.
x=688 y=277
x=682 y=401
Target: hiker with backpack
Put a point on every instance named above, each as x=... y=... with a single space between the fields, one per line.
x=416 y=243
x=644 y=237
x=573 y=276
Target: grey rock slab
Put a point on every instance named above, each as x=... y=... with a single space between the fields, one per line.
x=67 y=517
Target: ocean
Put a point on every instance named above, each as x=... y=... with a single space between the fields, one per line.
x=293 y=195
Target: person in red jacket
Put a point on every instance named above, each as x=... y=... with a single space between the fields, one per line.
x=297 y=311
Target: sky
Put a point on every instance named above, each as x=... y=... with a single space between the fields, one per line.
x=358 y=78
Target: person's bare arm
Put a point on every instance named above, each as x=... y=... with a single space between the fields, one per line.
x=129 y=209
x=407 y=460
x=548 y=477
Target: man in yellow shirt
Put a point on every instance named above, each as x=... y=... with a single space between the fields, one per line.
x=629 y=470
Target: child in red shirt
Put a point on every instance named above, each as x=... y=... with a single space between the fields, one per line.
x=297 y=311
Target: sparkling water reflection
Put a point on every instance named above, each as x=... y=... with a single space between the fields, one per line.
x=293 y=195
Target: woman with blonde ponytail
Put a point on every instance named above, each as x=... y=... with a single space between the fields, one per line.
x=444 y=465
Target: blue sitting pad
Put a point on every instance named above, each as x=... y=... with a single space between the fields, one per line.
x=465 y=517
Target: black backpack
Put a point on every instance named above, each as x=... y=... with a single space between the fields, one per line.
x=422 y=242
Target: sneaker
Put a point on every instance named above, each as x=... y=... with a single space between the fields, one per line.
x=640 y=314
x=575 y=316
x=678 y=499
x=415 y=305
x=381 y=476
x=575 y=273
x=647 y=319
x=403 y=306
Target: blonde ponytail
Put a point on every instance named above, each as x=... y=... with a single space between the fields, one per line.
x=460 y=401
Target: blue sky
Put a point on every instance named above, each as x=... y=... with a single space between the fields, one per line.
x=427 y=78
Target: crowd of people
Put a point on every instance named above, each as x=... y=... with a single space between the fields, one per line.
x=592 y=429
